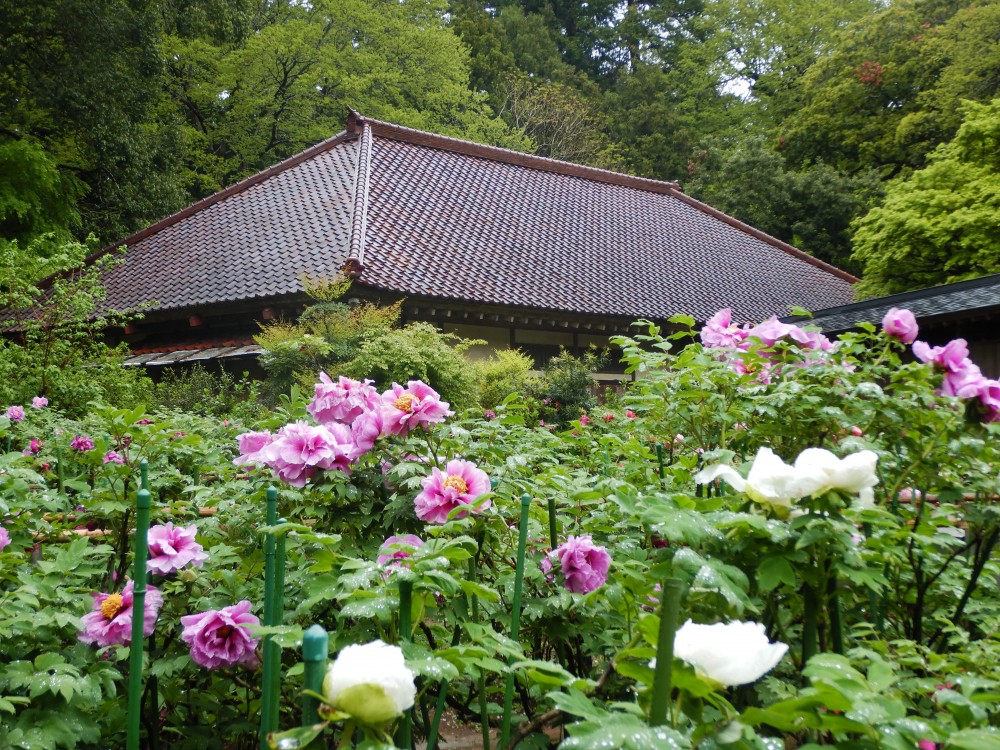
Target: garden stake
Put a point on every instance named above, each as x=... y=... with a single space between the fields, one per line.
x=141 y=547
x=315 y=649
x=484 y=719
x=553 y=530
x=432 y=732
x=659 y=459
x=59 y=471
x=810 y=615
x=834 y=613
x=515 y=615
x=404 y=735
x=277 y=612
x=270 y=662
x=670 y=606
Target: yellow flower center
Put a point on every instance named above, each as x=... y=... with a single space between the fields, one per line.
x=111 y=606
x=457 y=483
x=404 y=403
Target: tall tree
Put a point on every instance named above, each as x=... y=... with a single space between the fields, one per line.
x=942 y=223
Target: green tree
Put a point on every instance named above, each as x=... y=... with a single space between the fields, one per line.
x=942 y=223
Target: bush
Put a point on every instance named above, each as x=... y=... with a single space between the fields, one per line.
x=199 y=391
x=567 y=388
x=505 y=372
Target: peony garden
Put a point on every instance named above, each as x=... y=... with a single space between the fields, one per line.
x=766 y=539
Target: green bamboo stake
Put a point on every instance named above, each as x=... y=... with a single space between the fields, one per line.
x=270 y=648
x=810 y=614
x=140 y=545
x=59 y=471
x=834 y=611
x=515 y=615
x=484 y=719
x=659 y=460
x=277 y=616
x=432 y=732
x=670 y=605
x=315 y=649
x=553 y=530
x=404 y=735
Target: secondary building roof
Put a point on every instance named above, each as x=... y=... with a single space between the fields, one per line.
x=414 y=213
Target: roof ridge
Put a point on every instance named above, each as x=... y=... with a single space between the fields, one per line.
x=226 y=192
x=359 y=219
x=357 y=122
x=506 y=155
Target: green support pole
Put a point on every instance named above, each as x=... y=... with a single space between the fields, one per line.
x=404 y=736
x=277 y=617
x=670 y=605
x=270 y=648
x=659 y=460
x=315 y=649
x=553 y=529
x=484 y=719
x=140 y=545
x=515 y=616
x=59 y=471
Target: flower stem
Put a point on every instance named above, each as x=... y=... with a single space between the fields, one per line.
x=673 y=588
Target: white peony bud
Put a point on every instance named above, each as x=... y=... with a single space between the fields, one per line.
x=735 y=653
x=371 y=683
x=770 y=481
x=824 y=471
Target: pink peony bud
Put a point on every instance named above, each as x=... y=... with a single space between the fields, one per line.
x=900 y=324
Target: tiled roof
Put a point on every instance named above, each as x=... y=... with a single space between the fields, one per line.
x=426 y=215
x=974 y=296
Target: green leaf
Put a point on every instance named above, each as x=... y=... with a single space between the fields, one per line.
x=774 y=570
x=974 y=739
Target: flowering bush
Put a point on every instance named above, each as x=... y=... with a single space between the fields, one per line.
x=826 y=508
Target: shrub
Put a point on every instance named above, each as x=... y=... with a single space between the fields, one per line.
x=505 y=372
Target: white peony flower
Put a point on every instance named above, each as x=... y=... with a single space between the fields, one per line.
x=370 y=682
x=735 y=653
x=770 y=482
x=824 y=471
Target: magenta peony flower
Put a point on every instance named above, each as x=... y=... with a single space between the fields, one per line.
x=585 y=420
x=458 y=485
x=417 y=404
x=398 y=548
x=584 y=565
x=900 y=324
x=719 y=331
x=221 y=638
x=989 y=399
x=39 y=402
x=252 y=445
x=114 y=457
x=962 y=377
x=343 y=401
x=81 y=443
x=110 y=622
x=34 y=447
x=173 y=548
x=15 y=413
x=4 y=538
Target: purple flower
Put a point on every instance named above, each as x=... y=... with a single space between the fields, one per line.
x=15 y=413
x=584 y=565
x=343 y=401
x=900 y=324
x=457 y=486
x=398 y=548
x=81 y=443
x=366 y=429
x=4 y=538
x=114 y=457
x=417 y=404
x=110 y=621
x=490 y=414
x=300 y=449
x=171 y=548
x=39 y=402
x=989 y=399
x=962 y=377
x=221 y=638
x=719 y=331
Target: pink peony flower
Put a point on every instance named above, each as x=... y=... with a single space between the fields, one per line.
x=343 y=401
x=221 y=638
x=172 y=548
x=458 y=485
x=584 y=565
x=366 y=429
x=609 y=417
x=927 y=745
x=989 y=399
x=629 y=414
x=110 y=621
x=398 y=548
x=771 y=331
x=4 y=538
x=39 y=402
x=585 y=420
x=81 y=443
x=145 y=421
x=962 y=377
x=252 y=445
x=719 y=330
x=417 y=404
x=15 y=413
x=300 y=449
x=900 y=324
x=114 y=457
x=489 y=414
x=34 y=447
